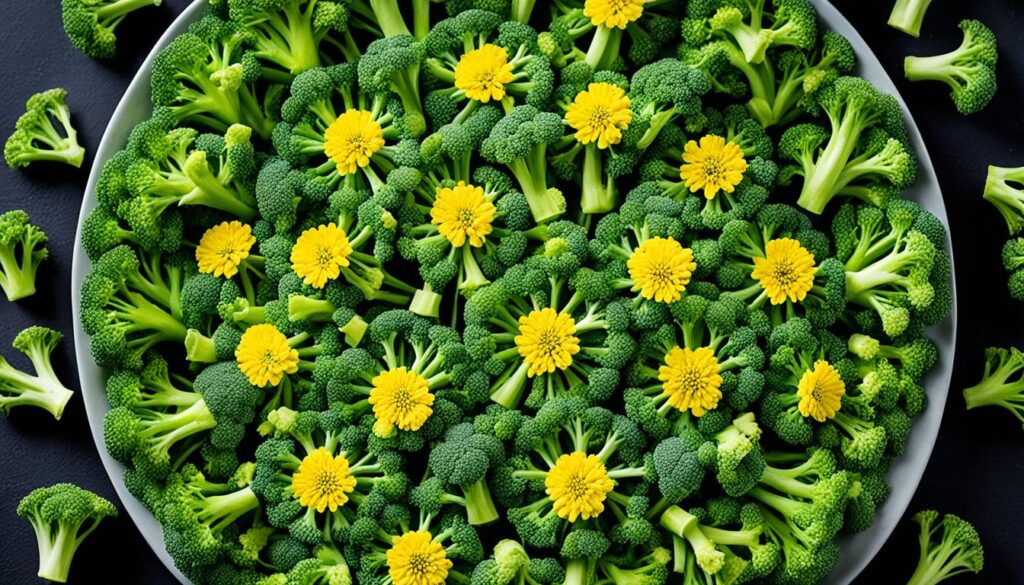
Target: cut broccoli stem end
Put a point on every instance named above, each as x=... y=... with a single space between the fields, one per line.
x=908 y=15
x=121 y=8
x=993 y=391
x=199 y=348
x=55 y=555
x=480 y=508
x=598 y=194
x=354 y=330
x=545 y=204
x=425 y=303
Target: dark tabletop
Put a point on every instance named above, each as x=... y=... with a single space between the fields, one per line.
x=976 y=470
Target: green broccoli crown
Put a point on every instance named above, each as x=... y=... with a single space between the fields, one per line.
x=22 y=250
x=969 y=70
x=62 y=516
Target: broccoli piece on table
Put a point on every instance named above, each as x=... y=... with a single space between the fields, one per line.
x=43 y=390
x=22 y=250
x=950 y=546
x=90 y=24
x=969 y=70
x=44 y=133
x=62 y=516
x=908 y=15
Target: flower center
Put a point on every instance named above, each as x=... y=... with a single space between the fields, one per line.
x=320 y=253
x=577 y=485
x=714 y=165
x=400 y=398
x=482 y=73
x=352 y=139
x=691 y=380
x=463 y=214
x=786 y=272
x=323 y=481
x=661 y=268
x=546 y=341
x=599 y=114
x=821 y=391
x=264 y=356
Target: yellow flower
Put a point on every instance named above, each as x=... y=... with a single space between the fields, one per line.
x=661 y=268
x=821 y=391
x=352 y=139
x=613 y=13
x=787 y=271
x=482 y=73
x=577 y=485
x=323 y=482
x=462 y=213
x=416 y=559
x=264 y=356
x=546 y=341
x=600 y=113
x=320 y=253
x=223 y=247
x=691 y=379
x=715 y=165
x=400 y=398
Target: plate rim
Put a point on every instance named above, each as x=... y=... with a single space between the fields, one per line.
x=909 y=467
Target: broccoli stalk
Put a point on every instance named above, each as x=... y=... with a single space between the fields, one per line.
x=43 y=390
x=949 y=547
x=36 y=137
x=969 y=70
x=62 y=516
x=22 y=249
x=907 y=16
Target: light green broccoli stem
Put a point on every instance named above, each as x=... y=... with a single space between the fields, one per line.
x=18 y=274
x=819 y=184
x=933 y=68
x=354 y=330
x=545 y=204
x=389 y=17
x=113 y=12
x=472 y=276
x=684 y=525
x=296 y=28
x=577 y=572
x=598 y=193
x=211 y=192
x=199 y=348
x=521 y=10
x=510 y=391
x=907 y=16
x=43 y=390
x=222 y=511
x=604 y=47
x=57 y=547
x=480 y=507
x=658 y=121
x=420 y=18
x=425 y=302
x=302 y=308
x=996 y=390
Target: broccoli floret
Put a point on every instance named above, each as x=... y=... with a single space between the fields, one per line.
x=949 y=547
x=663 y=91
x=969 y=71
x=520 y=140
x=22 y=250
x=1002 y=191
x=908 y=15
x=205 y=77
x=62 y=516
x=866 y=142
x=44 y=133
x=1000 y=383
x=43 y=390
x=90 y=24
x=393 y=63
x=744 y=553
x=463 y=459
x=752 y=27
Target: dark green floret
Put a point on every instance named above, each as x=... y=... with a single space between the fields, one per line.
x=950 y=546
x=44 y=133
x=969 y=70
x=90 y=24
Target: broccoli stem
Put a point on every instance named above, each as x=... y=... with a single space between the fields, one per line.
x=199 y=348
x=545 y=204
x=996 y=390
x=819 y=185
x=57 y=550
x=209 y=190
x=684 y=525
x=17 y=275
x=598 y=194
x=354 y=330
x=303 y=308
x=425 y=302
x=521 y=10
x=908 y=15
x=420 y=18
x=43 y=391
x=389 y=17
x=510 y=392
x=121 y=8
x=576 y=570
x=604 y=47
x=472 y=277
x=480 y=507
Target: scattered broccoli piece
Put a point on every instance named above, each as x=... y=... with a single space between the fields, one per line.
x=969 y=71
x=43 y=390
x=62 y=516
x=908 y=15
x=22 y=250
x=1000 y=383
x=90 y=24
x=949 y=547
x=1002 y=190
x=44 y=133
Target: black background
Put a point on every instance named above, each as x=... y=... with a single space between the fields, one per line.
x=977 y=469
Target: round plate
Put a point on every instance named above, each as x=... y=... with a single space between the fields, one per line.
x=857 y=551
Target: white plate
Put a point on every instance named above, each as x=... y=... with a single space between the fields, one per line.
x=857 y=551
